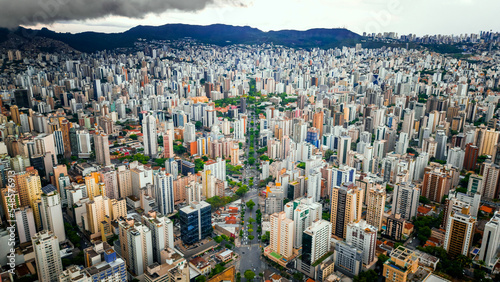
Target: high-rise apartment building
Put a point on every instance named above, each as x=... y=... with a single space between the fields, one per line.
x=101 y=145
x=344 y=147
x=459 y=233
x=282 y=232
x=25 y=222
x=136 y=245
x=491 y=241
x=436 y=185
x=164 y=192
x=51 y=212
x=470 y=158
x=47 y=256
x=149 y=137
x=375 y=205
x=346 y=205
x=124 y=181
x=405 y=200
x=316 y=241
x=363 y=236
x=348 y=259
x=491 y=173
x=162 y=233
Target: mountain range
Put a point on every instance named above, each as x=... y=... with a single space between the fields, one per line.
x=217 y=34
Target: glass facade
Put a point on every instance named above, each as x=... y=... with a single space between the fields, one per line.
x=195 y=224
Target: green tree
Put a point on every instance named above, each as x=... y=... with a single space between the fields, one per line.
x=133 y=136
x=381 y=260
x=201 y=278
x=250 y=204
x=249 y=275
x=366 y=276
x=198 y=165
x=328 y=154
x=251 y=160
x=424 y=200
x=198 y=125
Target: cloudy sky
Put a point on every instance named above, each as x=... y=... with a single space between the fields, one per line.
x=402 y=16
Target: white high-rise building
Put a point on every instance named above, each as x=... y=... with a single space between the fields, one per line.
x=363 y=236
x=47 y=256
x=164 y=192
x=140 y=248
x=189 y=133
x=162 y=233
x=25 y=222
x=405 y=200
x=303 y=212
x=317 y=237
x=491 y=241
x=402 y=143
x=150 y=136
x=239 y=129
x=51 y=214
x=217 y=167
x=314 y=186
x=456 y=157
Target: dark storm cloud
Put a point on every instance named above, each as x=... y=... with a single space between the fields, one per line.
x=31 y=12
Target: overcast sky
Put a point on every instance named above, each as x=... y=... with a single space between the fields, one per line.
x=402 y=16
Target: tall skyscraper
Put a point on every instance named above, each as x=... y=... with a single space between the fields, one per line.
x=136 y=245
x=318 y=121
x=168 y=144
x=375 y=206
x=316 y=241
x=491 y=241
x=441 y=140
x=303 y=211
x=101 y=146
x=344 y=147
x=51 y=213
x=459 y=233
x=14 y=113
x=124 y=181
x=25 y=222
x=346 y=205
x=436 y=185
x=363 y=236
x=470 y=158
x=405 y=200
x=491 y=173
x=164 y=192
x=149 y=137
x=282 y=232
x=162 y=233
x=47 y=256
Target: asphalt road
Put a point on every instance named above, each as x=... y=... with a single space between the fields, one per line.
x=250 y=251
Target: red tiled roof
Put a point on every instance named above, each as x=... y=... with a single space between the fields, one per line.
x=486 y=209
x=423 y=210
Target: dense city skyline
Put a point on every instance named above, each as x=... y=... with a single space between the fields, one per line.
x=192 y=153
